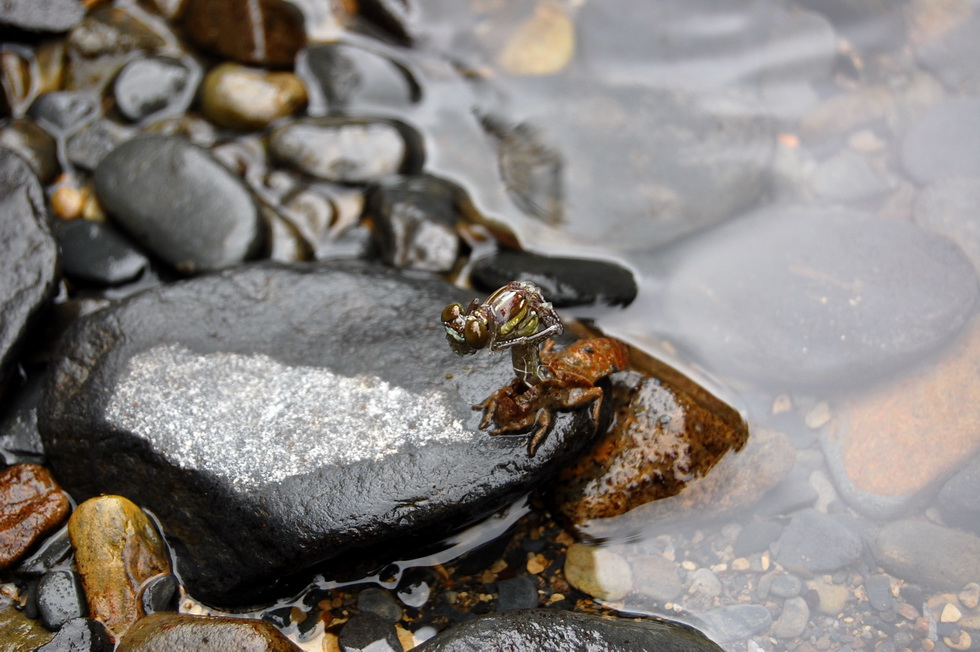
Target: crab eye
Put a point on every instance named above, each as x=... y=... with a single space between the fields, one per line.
x=476 y=334
x=451 y=312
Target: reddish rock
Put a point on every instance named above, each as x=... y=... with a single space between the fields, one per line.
x=117 y=549
x=270 y=36
x=31 y=506
x=169 y=631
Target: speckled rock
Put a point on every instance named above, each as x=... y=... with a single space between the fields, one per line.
x=117 y=549
x=179 y=202
x=29 y=264
x=565 y=281
x=554 y=630
x=836 y=296
x=925 y=553
x=32 y=505
x=263 y=33
x=60 y=598
x=204 y=634
x=79 y=635
x=238 y=97
x=266 y=399
x=347 y=149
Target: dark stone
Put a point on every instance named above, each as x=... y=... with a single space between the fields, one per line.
x=176 y=200
x=348 y=149
x=931 y=555
x=293 y=413
x=368 y=632
x=958 y=498
x=159 y=85
x=166 y=631
x=560 y=166
x=90 y=144
x=563 y=281
x=64 y=111
x=41 y=15
x=353 y=78
x=34 y=145
x=810 y=296
x=415 y=220
x=736 y=622
x=264 y=33
x=19 y=439
x=817 y=542
x=392 y=16
x=160 y=594
x=379 y=602
x=756 y=536
x=79 y=635
x=879 y=589
x=55 y=550
x=60 y=598
x=516 y=593
x=92 y=252
x=554 y=630
x=944 y=141
x=29 y=264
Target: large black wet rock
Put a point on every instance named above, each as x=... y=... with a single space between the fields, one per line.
x=544 y=630
x=175 y=199
x=28 y=257
x=273 y=417
x=811 y=296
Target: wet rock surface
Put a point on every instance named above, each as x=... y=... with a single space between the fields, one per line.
x=154 y=86
x=179 y=202
x=19 y=633
x=29 y=265
x=565 y=281
x=553 y=629
x=944 y=142
x=92 y=252
x=79 y=635
x=817 y=542
x=905 y=548
x=160 y=399
x=32 y=505
x=957 y=498
x=354 y=78
x=245 y=98
x=827 y=307
x=267 y=33
x=117 y=549
x=182 y=632
x=60 y=598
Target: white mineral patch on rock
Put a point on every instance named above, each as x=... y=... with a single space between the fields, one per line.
x=254 y=420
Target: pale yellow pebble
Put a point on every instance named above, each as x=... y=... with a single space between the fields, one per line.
x=67 y=202
x=741 y=564
x=950 y=613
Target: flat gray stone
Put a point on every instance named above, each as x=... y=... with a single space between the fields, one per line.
x=816 y=542
x=928 y=554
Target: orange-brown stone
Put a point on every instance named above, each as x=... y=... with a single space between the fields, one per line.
x=31 y=506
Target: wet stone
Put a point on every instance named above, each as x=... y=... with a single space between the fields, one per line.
x=598 y=571
x=79 y=635
x=347 y=149
x=17 y=631
x=264 y=33
x=93 y=252
x=735 y=622
x=19 y=439
x=928 y=554
x=99 y=46
x=564 y=281
x=34 y=145
x=60 y=598
x=879 y=591
x=415 y=221
x=180 y=203
x=554 y=630
x=55 y=550
x=91 y=143
x=246 y=395
x=785 y=585
x=816 y=542
x=828 y=306
x=957 y=500
x=849 y=177
x=154 y=86
x=42 y=15
x=949 y=207
x=381 y=603
x=238 y=97
x=949 y=57
x=32 y=505
x=516 y=593
x=793 y=619
x=64 y=111
x=369 y=632
x=944 y=141
x=160 y=594
x=755 y=536
x=656 y=577
x=117 y=549
x=353 y=78
x=204 y=634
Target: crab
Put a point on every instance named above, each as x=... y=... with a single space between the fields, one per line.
x=574 y=372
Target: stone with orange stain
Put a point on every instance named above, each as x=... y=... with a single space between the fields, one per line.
x=886 y=447
x=31 y=506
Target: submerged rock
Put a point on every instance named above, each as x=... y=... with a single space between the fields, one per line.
x=204 y=634
x=554 y=630
x=29 y=263
x=291 y=414
x=925 y=553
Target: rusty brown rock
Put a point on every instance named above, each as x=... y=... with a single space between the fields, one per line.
x=270 y=36
x=31 y=505
x=664 y=437
x=183 y=633
x=117 y=549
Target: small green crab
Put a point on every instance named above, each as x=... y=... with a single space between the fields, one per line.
x=517 y=317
